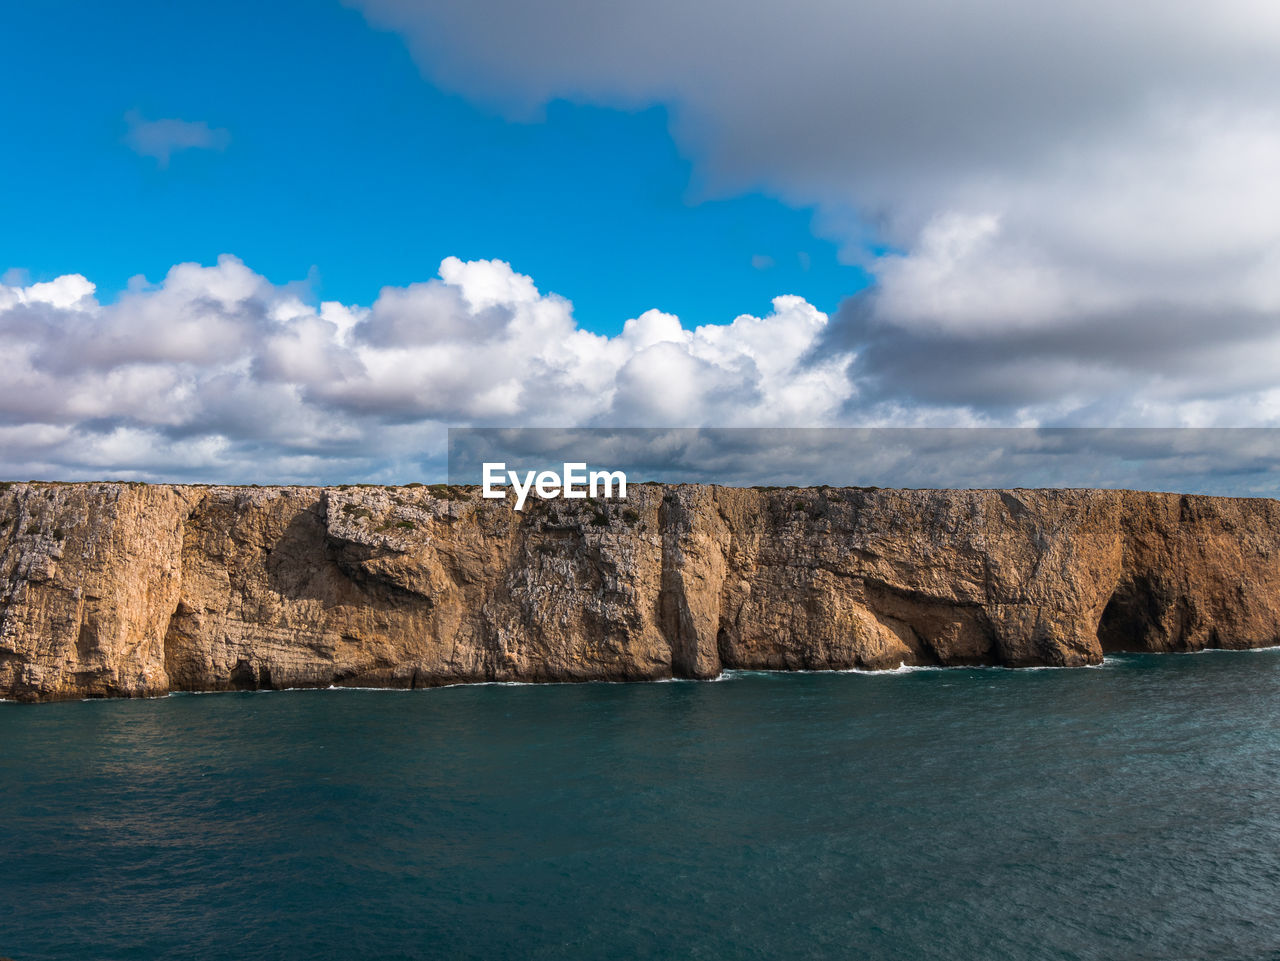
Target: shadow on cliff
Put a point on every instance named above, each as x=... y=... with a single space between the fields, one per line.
x=307 y=563
x=1143 y=614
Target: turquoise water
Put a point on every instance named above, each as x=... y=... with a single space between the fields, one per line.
x=1130 y=811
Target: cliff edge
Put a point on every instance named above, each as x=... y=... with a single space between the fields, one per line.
x=111 y=589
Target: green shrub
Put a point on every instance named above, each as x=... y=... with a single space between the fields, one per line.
x=446 y=492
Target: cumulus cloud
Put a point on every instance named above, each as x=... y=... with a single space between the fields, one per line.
x=216 y=373
x=1052 y=197
x=161 y=139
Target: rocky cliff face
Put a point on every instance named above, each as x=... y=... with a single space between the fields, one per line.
x=127 y=590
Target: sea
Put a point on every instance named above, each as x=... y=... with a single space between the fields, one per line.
x=1128 y=811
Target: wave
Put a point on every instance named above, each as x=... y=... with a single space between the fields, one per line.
x=1109 y=661
x=904 y=668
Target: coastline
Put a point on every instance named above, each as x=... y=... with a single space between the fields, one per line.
x=732 y=674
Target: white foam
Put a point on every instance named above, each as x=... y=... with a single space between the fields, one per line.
x=904 y=668
x=1108 y=661
x=1203 y=650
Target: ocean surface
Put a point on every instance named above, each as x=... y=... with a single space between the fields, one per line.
x=1130 y=811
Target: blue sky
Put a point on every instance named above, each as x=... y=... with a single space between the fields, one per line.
x=343 y=158
x=502 y=213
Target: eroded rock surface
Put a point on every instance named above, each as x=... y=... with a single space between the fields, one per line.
x=130 y=589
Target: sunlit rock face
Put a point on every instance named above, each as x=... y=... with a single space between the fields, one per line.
x=137 y=590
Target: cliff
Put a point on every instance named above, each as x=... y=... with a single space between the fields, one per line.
x=129 y=589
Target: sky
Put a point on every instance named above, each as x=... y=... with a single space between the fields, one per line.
x=293 y=242
x=1219 y=461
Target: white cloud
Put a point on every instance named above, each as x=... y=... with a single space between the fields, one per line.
x=161 y=139
x=68 y=292
x=215 y=373
x=1059 y=186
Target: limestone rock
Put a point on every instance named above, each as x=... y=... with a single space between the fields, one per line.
x=136 y=590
